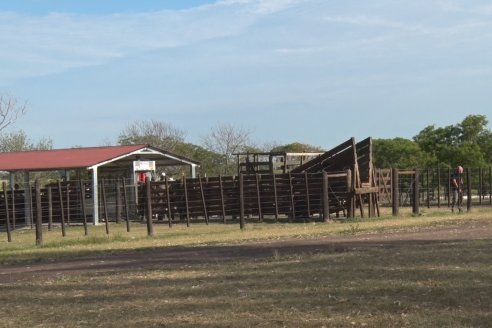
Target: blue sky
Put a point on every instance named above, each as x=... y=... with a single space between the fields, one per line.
x=311 y=71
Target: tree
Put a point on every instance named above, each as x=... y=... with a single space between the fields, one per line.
x=209 y=161
x=18 y=141
x=10 y=111
x=398 y=153
x=485 y=143
x=156 y=133
x=473 y=128
x=227 y=139
x=297 y=147
x=468 y=143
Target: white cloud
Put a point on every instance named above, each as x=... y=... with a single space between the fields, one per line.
x=336 y=46
x=35 y=46
x=262 y=6
x=465 y=6
x=56 y=42
x=378 y=22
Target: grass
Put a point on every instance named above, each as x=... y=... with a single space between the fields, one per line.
x=438 y=284
x=23 y=247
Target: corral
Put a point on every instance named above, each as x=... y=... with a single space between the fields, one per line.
x=340 y=183
x=332 y=183
x=363 y=271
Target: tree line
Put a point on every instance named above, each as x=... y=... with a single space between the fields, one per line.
x=468 y=143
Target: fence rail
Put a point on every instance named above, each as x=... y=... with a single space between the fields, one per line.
x=285 y=197
x=291 y=196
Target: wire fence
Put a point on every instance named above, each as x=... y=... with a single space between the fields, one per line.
x=434 y=185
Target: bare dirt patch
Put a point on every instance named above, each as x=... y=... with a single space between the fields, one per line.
x=122 y=261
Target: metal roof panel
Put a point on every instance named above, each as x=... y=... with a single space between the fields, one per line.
x=56 y=159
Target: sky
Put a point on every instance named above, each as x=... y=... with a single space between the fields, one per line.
x=310 y=71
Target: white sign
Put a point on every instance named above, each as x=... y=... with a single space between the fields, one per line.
x=143 y=166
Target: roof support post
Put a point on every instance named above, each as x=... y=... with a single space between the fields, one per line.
x=95 y=196
x=193 y=171
x=12 y=181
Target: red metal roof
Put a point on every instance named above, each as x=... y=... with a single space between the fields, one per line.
x=62 y=158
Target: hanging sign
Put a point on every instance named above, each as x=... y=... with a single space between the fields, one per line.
x=143 y=166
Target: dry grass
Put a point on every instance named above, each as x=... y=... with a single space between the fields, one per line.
x=23 y=247
x=441 y=284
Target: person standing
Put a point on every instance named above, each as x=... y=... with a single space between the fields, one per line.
x=457 y=188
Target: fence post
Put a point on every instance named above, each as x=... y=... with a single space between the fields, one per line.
x=168 y=200
x=351 y=195
x=326 y=200
x=68 y=204
x=468 y=190
x=105 y=206
x=186 y=202
x=62 y=210
x=31 y=206
x=416 y=193
x=7 y=219
x=428 y=189
x=118 y=201
x=204 y=203
x=150 y=227
x=438 y=187
x=82 y=205
x=222 y=202
x=39 y=215
x=125 y=200
x=292 y=203
x=276 y=196
x=258 y=197
x=308 y=201
x=241 y=201
x=50 y=209
x=14 y=215
x=449 y=187
x=395 y=195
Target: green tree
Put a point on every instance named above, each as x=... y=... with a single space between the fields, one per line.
x=485 y=143
x=209 y=161
x=297 y=147
x=398 y=153
x=473 y=128
x=18 y=141
x=468 y=143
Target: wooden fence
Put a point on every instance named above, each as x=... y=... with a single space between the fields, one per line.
x=276 y=197
x=288 y=197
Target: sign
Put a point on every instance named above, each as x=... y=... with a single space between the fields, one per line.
x=143 y=166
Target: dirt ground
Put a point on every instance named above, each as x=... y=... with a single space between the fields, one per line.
x=179 y=256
